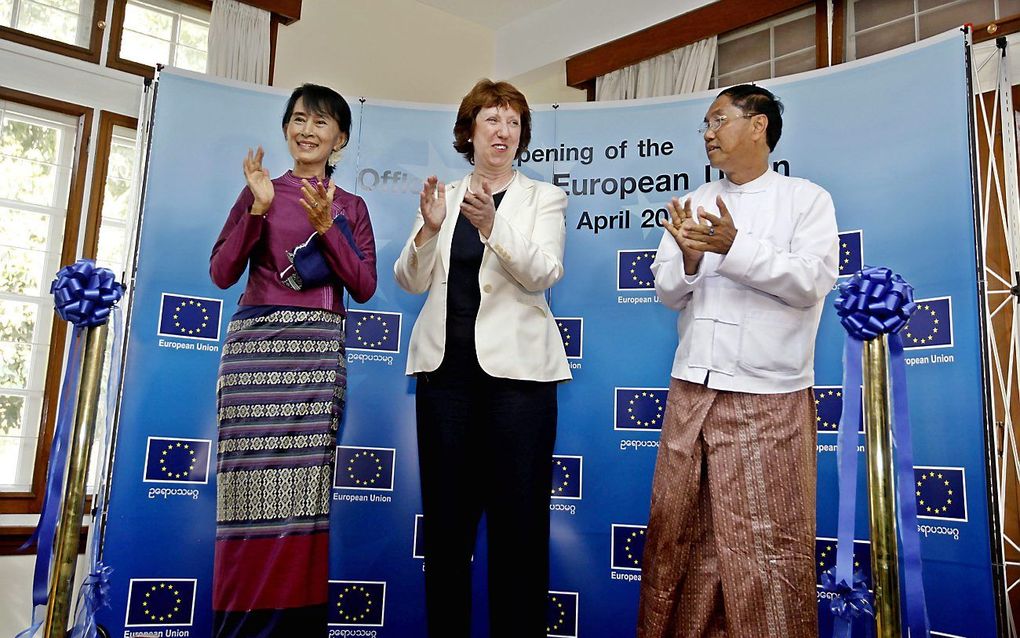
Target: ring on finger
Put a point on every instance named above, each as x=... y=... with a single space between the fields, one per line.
x=711 y=231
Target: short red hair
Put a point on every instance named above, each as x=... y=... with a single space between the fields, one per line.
x=481 y=96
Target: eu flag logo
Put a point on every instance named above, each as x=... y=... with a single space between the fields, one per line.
x=640 y=408
x=163 y=602
x=825 y=558
x=418 y=547
x=373 y=330
x=176 y=460
x=628 y=545
x=189 y=317
x=851 y=252
x=634 y=270
x=561 y=614
x=572 y=333
x=566 y=482
x=940 y=493
x=364 y=468
x=931 y=325
x=829 y=408
x=354 y=602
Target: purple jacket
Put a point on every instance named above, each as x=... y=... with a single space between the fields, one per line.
x=260 y=243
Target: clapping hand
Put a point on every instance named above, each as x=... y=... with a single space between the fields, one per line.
x=681 y=220
x=713 y=234
x=480 y=209
x=432 y=204
x=258 y=182
x=318 y=203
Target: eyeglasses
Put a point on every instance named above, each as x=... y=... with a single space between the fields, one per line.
x=717 y=122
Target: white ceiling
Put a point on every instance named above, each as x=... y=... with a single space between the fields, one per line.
x=490 y=13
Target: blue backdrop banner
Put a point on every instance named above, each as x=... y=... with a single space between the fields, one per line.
x=898 y=169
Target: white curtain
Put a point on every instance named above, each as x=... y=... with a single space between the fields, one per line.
x=684 y=70
x=239 y=42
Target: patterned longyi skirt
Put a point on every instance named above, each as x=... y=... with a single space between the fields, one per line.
x=280 y=399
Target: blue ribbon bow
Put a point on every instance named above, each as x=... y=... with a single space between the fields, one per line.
x=851 y=601
x=86 y=296
x=875 y=301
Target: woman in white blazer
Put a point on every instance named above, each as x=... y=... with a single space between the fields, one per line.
x=487 y=355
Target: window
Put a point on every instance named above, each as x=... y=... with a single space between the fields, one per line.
x=70 y=27
x=770 y=49
x=117 y=218
x=110 y=230
x=874 y=26
x=37 y=155
x=159 y=32
x=64 y=20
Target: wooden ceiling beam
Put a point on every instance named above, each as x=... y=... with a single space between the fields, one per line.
x=997 y=29
x=713 y=19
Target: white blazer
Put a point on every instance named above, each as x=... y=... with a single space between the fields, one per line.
x=515 y=334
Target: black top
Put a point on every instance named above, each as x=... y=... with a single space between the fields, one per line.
x=463 y=294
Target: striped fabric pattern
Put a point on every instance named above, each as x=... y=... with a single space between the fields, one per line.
x=280 y=399
x=730 y=543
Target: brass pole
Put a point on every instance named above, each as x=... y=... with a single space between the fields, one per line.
x=881 y=489
x=65 y=552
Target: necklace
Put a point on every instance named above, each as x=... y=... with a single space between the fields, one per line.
x=502 y=188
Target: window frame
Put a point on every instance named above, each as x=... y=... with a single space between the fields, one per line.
x=716 y=18
x=30 y=502
x=90 y=53
x=849 y=36
x=113 y=57
x=769 y=25
x=107 y=121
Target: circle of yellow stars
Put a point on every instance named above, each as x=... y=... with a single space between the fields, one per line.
x=655 y=420
x=198 y=306
x=565 y=483
x=938 y=477
x=923 y=307
x=372 y=458
x=845 y=261
x=838 y=394
x=629 y=546
x=830 y=548
x=559 y=614
x=645 y=283
x=163 y=590
x=369 y=342
x=356 y=593
x=163 y=458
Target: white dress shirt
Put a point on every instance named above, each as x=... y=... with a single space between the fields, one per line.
x=749 y=318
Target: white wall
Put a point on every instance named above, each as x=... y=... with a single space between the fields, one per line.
x=16 y=592
x=548 y=85
x=570 y=27
x=390 y=49
x=405 y=50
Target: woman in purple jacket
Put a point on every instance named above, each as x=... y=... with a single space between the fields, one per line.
x=282 y=378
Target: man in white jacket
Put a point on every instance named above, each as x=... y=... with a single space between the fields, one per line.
x=748 y=261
